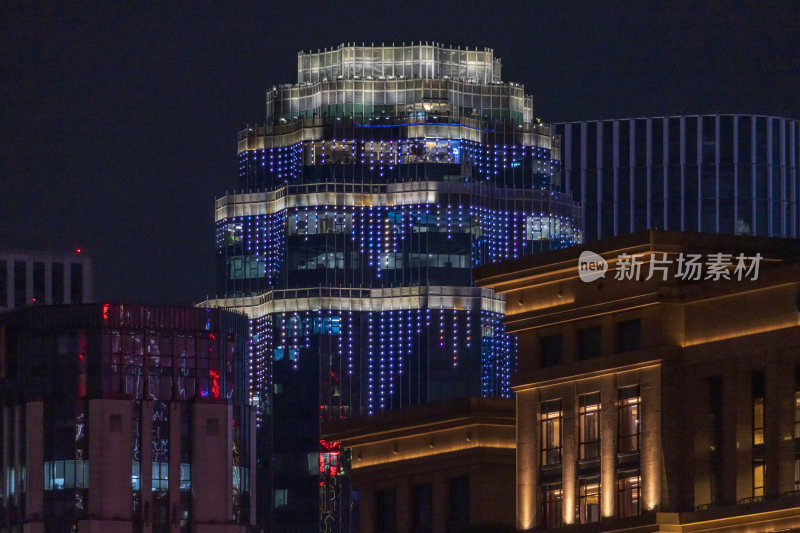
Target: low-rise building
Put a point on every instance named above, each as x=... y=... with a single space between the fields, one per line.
x=658 y=384
x=125 y=419
x=446 y=466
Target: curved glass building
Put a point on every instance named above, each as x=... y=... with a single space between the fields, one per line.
x=376 y=184
x=712 y=173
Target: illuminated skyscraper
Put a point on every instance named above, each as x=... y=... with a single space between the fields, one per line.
x=378 y=181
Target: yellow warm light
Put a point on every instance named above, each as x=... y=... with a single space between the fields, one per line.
x=783 y=519
x=569 y=506
x=526 y=516
x=741 y=333
x=540 y=303
x=446 y=441
x=652 y=488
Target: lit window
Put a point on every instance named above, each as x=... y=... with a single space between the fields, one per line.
x=241 y=478
x=758 y=478
x=759 y=470
x=186 y=477
x=796 y=473
x=589 y=425
x=589 y=500
x=797 y=414
x=135 y=476
x=281 y=498
x=796 y=436
x=758 y=421
x=10 y=481
x=629 y=419
x=60 y=475
x=629 y=496
x=160 y=476
x=552 y=417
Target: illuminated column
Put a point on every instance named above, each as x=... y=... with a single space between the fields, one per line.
x=608 y=445
x=650 y=450
x=527 y=458
x=570 y=457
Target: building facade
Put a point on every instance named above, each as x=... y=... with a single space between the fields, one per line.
x=126 y=419
x=446 y=466
x=380 y=179
x=663 y=394
x=733 y=174
x=36 y=278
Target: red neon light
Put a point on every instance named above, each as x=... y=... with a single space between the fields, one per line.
x=214 y=375
x=77 y=250
x=330 y=458
x=105 y=311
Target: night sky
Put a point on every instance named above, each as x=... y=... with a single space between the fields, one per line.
x=119 y=123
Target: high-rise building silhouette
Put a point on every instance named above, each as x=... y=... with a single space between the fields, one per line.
x=377 y=182
x=711 y=173
x=38 y=278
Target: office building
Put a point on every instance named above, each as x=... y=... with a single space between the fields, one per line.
x=36 y=278
x=446 y=466
x=734 y=174
x=125 y=419
x=659 y=383
x=379 y=180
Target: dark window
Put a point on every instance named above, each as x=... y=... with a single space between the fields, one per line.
x=385 y=511
x=552 y=350
x=3 y=284
x=20 y=283
x=58 y=283
x=76 y=282
x=552 y=417
x=590 y=342
x=38 y=282
x=629 y=419
x=458 y=503
x=629 y=335
x=589 y=426
x=422 y=508
x=629 y=495
x=552 y=496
